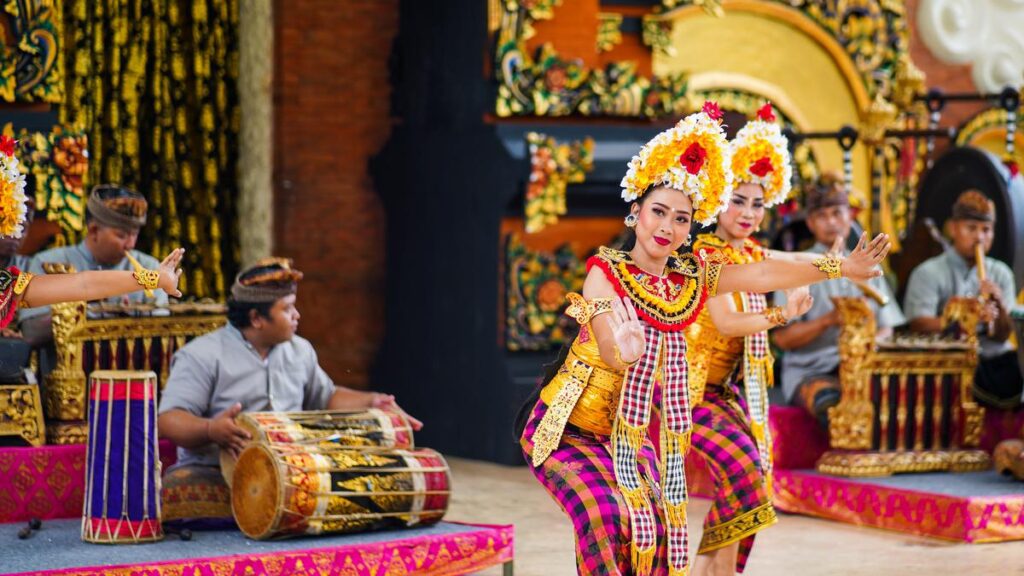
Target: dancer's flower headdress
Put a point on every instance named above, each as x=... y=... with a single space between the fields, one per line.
x=13 y=202
x=692 y=157
x=760 y=155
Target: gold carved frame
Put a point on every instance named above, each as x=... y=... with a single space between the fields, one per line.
x=66 y=384
x=859 y=427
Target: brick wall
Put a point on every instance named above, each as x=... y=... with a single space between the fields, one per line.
x=331 y=115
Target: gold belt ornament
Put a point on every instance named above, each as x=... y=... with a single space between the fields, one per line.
x=581 y=394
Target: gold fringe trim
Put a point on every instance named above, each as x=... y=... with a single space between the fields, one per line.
x=636 y=499
x=643 y=560
x=675 y=514
x=684 y=571
x=738 y=528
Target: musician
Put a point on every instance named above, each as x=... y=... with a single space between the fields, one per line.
x=810 y=364
x=255 y=363
x=113 y=217
x=997 y=380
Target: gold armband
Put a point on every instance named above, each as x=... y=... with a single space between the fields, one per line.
x=831 y=265
x=776 y=316
x=22 y=283
x=148 y=279
x=583 y=310
x=714 y=271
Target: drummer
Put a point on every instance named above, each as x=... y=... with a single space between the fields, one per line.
x=255 y=363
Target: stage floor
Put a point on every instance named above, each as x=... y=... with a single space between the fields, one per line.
x=446 y=548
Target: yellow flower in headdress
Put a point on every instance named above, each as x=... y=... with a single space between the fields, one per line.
x=692 y=157
x=13 y=202
x=760 y=155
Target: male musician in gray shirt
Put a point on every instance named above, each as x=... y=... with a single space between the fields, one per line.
x=114 y=215
x=810 y=363
x=997 y=380
x=255 y=363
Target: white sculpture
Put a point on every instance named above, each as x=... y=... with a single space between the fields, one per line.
x=987 y=34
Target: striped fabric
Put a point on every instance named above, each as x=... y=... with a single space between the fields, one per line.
x=630 y=432
x=742 y=505
x=757 y=369
x=579 y=476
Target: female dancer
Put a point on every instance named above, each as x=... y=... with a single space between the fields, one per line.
x=19 y=288
x=586 y=435
x=728 y=344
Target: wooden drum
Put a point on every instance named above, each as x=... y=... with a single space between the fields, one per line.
x=364 y=428
x=122 y=475
x=290 y=490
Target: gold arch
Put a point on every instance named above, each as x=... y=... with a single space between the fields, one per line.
x=775 y=51
x=987 y=130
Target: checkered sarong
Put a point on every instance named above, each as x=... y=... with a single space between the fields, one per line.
x=757 y=375
x=628 y=435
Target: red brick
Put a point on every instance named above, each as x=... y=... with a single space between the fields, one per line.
x=331 y=115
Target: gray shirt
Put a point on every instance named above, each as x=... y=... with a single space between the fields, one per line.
x=81 y=258
x=938 y=279
x=214 y=371
x=821 y=356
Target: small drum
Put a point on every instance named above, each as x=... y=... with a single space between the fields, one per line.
x=290 y=490
x=364 y=428
x=122 y=478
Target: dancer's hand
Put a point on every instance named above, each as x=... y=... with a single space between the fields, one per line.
x=627 y=330
x=170 y=272
x=798 y=302
x=862 y=264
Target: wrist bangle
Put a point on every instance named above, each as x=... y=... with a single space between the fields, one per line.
x=831 y=265
x=148 y=279
x=776 y=315
x=618 y=358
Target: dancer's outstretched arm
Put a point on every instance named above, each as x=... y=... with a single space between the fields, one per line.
x=776 y=274
x=49 y=289
x=732 y=323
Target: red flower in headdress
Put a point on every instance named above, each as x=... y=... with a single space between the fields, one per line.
x=762 y=167
x=1014 y=169
x=713 y=111
x=766 y=113
x=7 y=145
x=693 y=158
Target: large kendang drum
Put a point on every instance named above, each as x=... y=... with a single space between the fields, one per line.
x=281 y=490
x=371 y=428
x=122 y=476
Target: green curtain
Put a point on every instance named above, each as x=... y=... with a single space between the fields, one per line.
x=154 y=85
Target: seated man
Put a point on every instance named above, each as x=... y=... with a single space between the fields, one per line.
x=810 y=364
x=255 y=363
x=997 y=380
x=113 y=217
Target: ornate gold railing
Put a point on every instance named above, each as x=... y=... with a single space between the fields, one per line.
x=907 y=404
